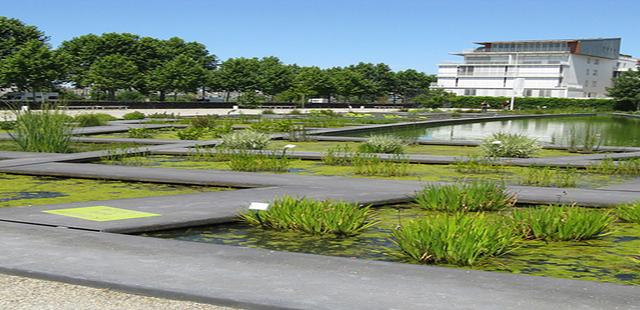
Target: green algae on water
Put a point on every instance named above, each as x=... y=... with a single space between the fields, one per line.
x=21 y=190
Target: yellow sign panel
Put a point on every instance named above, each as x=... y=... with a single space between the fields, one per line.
x=101 y=213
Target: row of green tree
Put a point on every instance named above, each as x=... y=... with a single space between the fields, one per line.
x=114 y=62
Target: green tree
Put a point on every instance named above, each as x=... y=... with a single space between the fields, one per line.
x=112 y=73
x=433 y=98
x=273 y=77
x=626 y=89
x=239 y=74
x=33 y=67
x=379 y=79
x=411 y=83
x=350 y=84
x=311 y=82
x=14 y=34
x=181 y=74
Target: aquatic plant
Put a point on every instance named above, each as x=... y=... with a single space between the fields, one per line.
x=550 y=177
x=127 y=156
x=561 y=223
x=273 y=125
x=47 y=130
x=245 y=160
x=584 y=140
x=458 y=239
x=629 y=212
x=477 y=165
x=372 y=165
x=621 y=167
x=298 y=133
x=387 y=144
x=191 y=133
x=339 y=155
x=474 y=196
x=93 y=119
x=245 y=140
x=140 y=133
x=313 y=216
x=135 y=115
x=502 y=144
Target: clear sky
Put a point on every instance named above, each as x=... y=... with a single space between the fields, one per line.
x=402 y=33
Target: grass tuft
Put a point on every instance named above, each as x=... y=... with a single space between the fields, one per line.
x=561 y=223
x=629 y=212
x=458 y=239
x=47 y=131
x=313 y=216
x=475 y=196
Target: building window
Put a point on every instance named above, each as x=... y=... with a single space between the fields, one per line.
x=594 y=83
x=588 y=72
x=596 y=61
x=528 y=92
x=588 y=60
x=457 y=80
x=465 y=70
x=595 y=72
x=545 y=93
x=470 y=92
x=586 y=83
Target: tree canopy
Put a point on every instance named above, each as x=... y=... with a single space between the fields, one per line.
x=626 y=88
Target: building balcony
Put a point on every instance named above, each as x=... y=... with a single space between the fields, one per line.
x=503 y=75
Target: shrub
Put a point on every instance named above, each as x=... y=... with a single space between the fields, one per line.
x=295 y=112
x=561 y=223
x=140 y=133
x=7 y=125
x=163 y=115
x=245 y=140
x=475 y=196
x=503 y=144
x=204 y=121
x=93 y=119
x=313 y=216
x=629 y=212
x=268 y=111
x=278 y=125
x=387 y=144
x=46 y=131
x=584 y=140
x=191 y=133
x=454 y=239
x=133 y=115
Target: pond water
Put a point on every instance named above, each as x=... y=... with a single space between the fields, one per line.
x=610 y=130
x=612 y=258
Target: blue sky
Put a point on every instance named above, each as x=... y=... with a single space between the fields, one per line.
x=402 y=33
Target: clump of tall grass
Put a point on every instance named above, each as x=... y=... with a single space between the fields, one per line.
x=387 y=144
x=477 y=165
x=629 y=212
x=339 y=155
x=547 y=177
x=245 y=140
x=127 y=156
x=46 y=131
x=561 y=223
x=313 y=216
x=458 y=239
x=502 y=144
x=584 y=140
x=191 y=133
x=140 y=133
x=298 y=133
x=621 y=167
x=135 y=115
x=93 y=119
x=474 y=196
x=245 y=160
x=7 y=125
x=372 y=165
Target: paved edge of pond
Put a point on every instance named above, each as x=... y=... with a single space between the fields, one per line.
x=258 y=278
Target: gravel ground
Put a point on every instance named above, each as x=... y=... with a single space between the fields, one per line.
x=28 y=293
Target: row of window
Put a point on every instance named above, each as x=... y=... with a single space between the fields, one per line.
x=595 y=72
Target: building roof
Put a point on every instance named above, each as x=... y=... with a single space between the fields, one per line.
x=550 y=40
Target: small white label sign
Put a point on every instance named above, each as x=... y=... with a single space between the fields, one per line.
x=260 y=206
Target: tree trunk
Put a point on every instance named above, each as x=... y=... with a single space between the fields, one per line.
x=162 y=95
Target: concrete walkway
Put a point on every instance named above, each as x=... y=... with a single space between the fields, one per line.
x=256 y=278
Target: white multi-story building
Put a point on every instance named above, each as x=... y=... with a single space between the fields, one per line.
x=580 y=68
